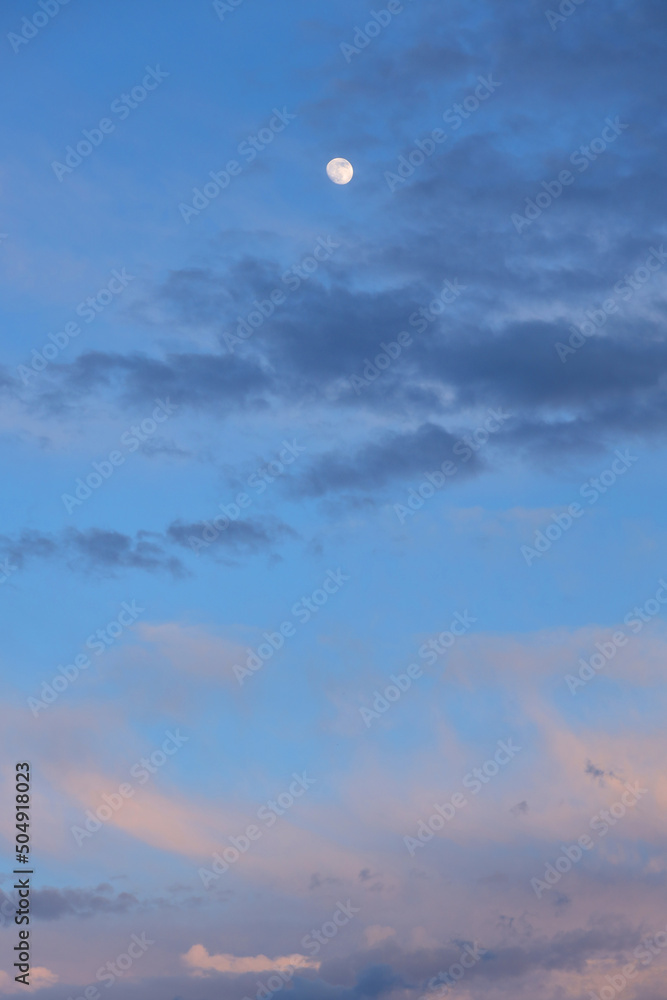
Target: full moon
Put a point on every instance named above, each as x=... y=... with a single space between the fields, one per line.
x=340 y=171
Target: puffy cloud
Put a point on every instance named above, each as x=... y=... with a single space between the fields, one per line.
x=40 y=979
x=199 y=960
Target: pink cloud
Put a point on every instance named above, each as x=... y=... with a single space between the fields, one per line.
x=199 y=961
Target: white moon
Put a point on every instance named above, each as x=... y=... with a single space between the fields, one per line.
x=340 y=171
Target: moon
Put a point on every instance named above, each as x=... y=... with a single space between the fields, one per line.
x=340 y=171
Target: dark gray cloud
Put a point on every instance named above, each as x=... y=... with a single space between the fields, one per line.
x=612 y=388
x=375 y=465
x=94 y=550
x=107 y=552
x=28 y=545
x=53 y=904
x=236 y=537
x=50 y=904
x=217 y=383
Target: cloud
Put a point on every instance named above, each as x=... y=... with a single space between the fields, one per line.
x=193 y=649
x=51 y=904
x=377 y=933
x=224 y=383
x=28 y=545
x=107 y=551
x=200 y=962
x=238 y=537
x=373 y=466
x=40 y=978
x=478 y=357
x=94 y=550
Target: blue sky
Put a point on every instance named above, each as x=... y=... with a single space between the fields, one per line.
x=155 y=396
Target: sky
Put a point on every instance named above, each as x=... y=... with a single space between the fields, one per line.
x=332 y=545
